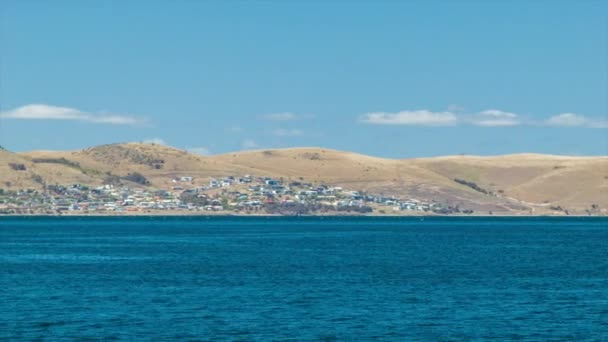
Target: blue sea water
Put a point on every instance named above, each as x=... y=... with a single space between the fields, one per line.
x=303 y=279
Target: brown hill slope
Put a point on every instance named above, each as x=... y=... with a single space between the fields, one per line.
x=21 y=172
x=545 y=180
x=365 y=173
x=159 y=164
x=519 y=183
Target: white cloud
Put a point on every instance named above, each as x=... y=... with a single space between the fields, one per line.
x=249 y=144
x=199 y=150
x=599 y=124
x=157 y=141
x=115 y=120
x=494 y=118
x=567 y=119
x=285 y=116
x=486 y=118
x=418 y=117
x=40 y=111
x=48 y=112
x=234 y=129
x=281 y=132
x=575 y=120
x=454 y=108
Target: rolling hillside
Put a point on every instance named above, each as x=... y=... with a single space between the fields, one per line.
x=518 y=184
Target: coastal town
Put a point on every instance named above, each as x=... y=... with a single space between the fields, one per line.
x=244 y=195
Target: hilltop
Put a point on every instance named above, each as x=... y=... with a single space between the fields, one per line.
x=510 y=184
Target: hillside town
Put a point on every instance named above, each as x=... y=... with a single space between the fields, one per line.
x=246 y=195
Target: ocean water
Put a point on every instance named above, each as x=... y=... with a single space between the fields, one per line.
x=304 y=279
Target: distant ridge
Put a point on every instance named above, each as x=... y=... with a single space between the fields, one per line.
x=524 y=183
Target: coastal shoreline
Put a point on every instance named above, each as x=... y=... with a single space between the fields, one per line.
x=231 y=214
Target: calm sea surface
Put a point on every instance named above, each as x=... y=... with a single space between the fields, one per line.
x=330 y=279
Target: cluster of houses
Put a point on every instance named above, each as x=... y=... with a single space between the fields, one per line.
x=244 y=194
x=265 y=190
x=78 y=198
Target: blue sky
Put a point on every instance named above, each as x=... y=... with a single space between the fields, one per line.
x=392 y=79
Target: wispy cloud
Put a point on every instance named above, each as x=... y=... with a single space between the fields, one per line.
x=454 y=108
x=157 y=141
x=249 y=144
x=234 y=129
x=486 y=118
x=281 y=132
x=494 y=118
x=285 y=116
x=415 y=118
x=48 y=112
x=199 y=150
x=575 y=120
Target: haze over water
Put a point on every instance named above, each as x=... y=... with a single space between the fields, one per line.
x=226 y=278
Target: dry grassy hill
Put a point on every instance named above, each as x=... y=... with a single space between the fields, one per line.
x=21 y=172
x=533 y=179
x=364 y=173
x=514 y=183
x=159 y=164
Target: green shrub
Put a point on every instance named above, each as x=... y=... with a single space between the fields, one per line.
x=136 y=177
